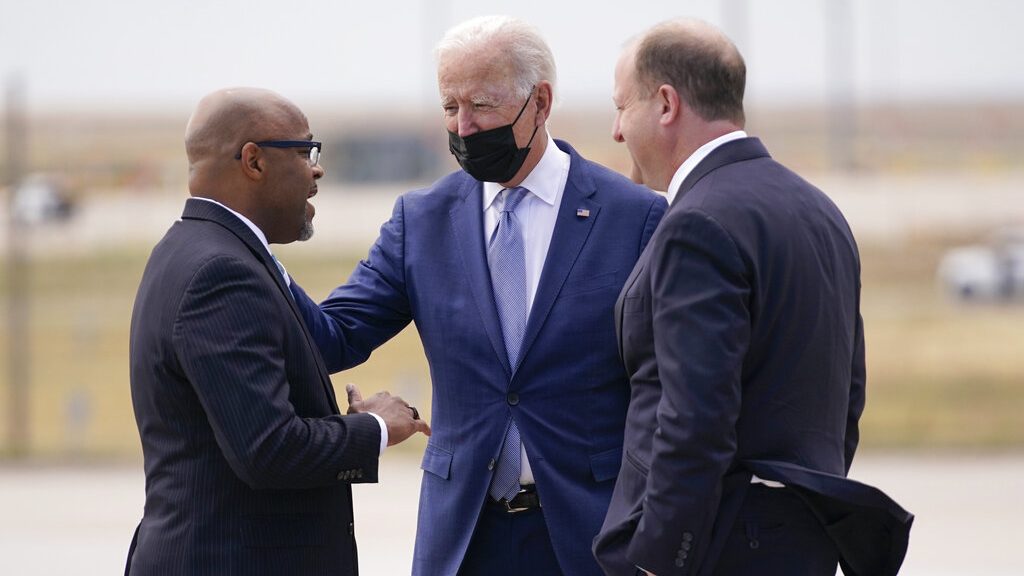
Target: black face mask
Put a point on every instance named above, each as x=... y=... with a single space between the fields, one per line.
x=491 y=155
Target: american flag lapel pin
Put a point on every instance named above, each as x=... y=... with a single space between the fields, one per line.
x=582 y=213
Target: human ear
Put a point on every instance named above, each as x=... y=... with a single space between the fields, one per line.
x=252 y=161
x=670 y=104
x=544 y=101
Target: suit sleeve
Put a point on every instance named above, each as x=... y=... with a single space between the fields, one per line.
x=370 y=308
x=654 y=216
x=858 y=381
x=701 y=326
x=230 y=342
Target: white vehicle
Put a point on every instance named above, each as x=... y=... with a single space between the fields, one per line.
x=39 y=198
x=986 y=272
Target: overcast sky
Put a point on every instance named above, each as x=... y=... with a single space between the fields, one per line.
x=115 y=54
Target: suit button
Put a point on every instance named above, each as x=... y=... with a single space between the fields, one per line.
x=341 y=475
x=687 y=537
x=687 y=545
x=359 y=473
x=512 y=398
x=351 y=529
x=490 y=465
x=680 y=562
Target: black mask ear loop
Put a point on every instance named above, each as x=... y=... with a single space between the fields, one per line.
x=523 y=109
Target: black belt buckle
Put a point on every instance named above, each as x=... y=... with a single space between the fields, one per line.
x=525 y=499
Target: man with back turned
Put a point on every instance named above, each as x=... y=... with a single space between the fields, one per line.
x=741 y=331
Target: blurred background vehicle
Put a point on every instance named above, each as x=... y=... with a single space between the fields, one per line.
x=41 y=198
x=990 y=272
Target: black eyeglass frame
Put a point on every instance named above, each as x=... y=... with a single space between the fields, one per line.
x=314 y=157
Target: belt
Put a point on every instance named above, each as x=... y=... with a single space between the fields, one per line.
x=526 y=499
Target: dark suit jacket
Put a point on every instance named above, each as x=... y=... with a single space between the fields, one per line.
x=741 y=331
x=568 y=396
x=247 y=461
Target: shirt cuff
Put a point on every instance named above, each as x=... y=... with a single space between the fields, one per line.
x=383 y=432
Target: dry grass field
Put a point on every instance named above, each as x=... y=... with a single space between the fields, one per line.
x=921 y=179
x=941 y=375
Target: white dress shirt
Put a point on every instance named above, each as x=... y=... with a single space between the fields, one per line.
x=536 y=214
x=266 y=246
x=690 y=163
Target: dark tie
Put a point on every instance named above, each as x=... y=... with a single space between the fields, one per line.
x=507 y=258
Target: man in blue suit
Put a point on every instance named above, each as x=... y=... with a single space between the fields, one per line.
x=248 y=461
x=741 y=330
x=509 y=269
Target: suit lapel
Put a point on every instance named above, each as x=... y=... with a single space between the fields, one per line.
x=567 y=240
x=201 y=209
x=467 y=229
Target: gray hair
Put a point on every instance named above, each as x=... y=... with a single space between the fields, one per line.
x=529 y=55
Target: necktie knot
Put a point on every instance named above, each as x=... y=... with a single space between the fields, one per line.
x=280 y=268
x=513 y=196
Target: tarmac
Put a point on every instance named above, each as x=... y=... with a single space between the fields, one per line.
x=78 y=519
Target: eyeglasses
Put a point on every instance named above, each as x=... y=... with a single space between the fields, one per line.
x=314 y=148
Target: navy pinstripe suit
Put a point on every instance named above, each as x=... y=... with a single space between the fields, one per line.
x=248 y=462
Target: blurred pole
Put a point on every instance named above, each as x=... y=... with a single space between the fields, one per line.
x=17 y=275
x=735 y=22
x=839 y=75
x=435 y=18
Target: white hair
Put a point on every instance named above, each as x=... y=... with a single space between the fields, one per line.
x=530 y=57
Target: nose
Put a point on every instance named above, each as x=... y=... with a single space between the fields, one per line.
x=318 y=172
x=466 y=122
x=617 y=131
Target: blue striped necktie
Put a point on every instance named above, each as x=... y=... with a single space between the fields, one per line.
x=280 y=268
x=507 y=257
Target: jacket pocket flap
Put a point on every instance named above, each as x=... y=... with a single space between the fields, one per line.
x=437 y=461
x=605 y=465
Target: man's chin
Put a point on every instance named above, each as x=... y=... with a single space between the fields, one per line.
x=306 y=232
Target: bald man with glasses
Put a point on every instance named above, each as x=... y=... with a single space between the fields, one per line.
x=248 y=459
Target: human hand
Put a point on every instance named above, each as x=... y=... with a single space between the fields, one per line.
x=401 y=419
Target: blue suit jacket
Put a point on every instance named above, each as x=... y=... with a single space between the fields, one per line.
x=247 y=461
x=742 y=334
x=569 y=394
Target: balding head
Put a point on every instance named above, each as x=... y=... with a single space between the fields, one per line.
x=699 y=61
x=225 y=120
x=231 y=160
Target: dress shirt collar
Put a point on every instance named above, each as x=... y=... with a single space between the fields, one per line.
x=259 y=234
x=690 y=163
x=542 y=181
x=255 y=229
